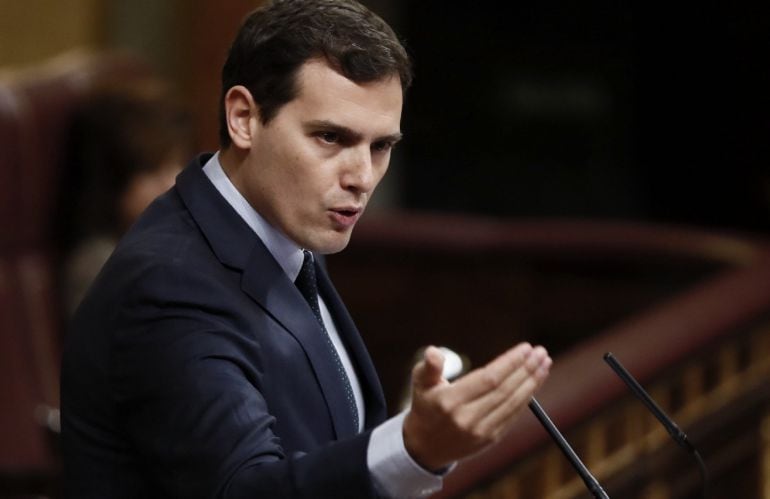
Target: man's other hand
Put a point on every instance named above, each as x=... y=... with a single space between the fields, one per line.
x=448 y=421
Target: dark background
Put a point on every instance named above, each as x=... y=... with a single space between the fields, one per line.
x=601 y=109
x=584 y=109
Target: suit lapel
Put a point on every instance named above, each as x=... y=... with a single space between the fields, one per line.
x=265 y=282
x=269 y=286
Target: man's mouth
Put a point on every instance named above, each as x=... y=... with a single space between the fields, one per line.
x=346 y=217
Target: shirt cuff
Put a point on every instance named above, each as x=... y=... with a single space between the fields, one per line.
x=394 y=471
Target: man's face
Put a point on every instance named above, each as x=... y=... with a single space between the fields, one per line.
x=311 y=171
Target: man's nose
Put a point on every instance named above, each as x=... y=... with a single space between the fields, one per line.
x=359 y=174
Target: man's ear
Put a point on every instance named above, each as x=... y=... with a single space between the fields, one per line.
x=241 y=114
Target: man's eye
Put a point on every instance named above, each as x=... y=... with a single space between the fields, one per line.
x=383 y=146
x=329 y=137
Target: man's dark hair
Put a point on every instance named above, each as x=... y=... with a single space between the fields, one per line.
x=275 y=40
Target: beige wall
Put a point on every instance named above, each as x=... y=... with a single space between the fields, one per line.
x=32 y=30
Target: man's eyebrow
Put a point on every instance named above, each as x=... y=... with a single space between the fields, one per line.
x=349 y=132
x=392 y=138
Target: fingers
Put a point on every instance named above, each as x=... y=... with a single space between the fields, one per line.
x=427 y=372
x=491 y=412
x=499 y=410
x=515 y=382
x=484 y=380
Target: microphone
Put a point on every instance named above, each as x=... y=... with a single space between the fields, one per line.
x=591 y=483
x=676 y=433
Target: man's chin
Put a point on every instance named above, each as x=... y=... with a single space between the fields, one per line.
x=337 y=242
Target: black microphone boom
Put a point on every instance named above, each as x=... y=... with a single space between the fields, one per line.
x=676 y=433
x=591 y=483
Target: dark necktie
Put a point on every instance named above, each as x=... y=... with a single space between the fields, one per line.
x=306 y=283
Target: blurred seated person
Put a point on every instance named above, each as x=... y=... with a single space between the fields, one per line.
x=127 y=144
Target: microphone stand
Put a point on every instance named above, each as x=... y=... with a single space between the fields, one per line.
x=591 y=483
x=676 y=433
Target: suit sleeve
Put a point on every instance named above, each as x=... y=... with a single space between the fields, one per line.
x=188 y=397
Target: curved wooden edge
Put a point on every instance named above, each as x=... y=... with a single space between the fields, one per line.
x=464 y=233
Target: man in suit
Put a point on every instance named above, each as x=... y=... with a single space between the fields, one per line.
x=213 y=357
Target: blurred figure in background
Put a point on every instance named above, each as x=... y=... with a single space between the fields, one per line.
x=127 y=145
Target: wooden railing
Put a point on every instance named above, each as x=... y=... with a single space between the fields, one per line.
x=618 y=442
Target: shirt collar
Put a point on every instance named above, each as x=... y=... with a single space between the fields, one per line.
x=287 y=253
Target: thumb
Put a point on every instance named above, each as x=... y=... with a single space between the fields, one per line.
x=427 y=372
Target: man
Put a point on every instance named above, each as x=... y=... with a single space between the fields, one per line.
x=208 y=360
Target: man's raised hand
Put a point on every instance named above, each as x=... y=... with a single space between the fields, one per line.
x=448 y=421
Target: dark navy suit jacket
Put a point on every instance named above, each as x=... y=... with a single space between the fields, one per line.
x=194 y=368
